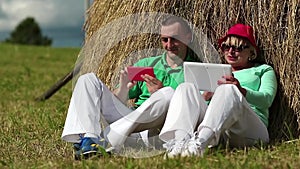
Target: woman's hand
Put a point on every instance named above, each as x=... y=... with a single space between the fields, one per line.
x=232 y=80
x=152 y=83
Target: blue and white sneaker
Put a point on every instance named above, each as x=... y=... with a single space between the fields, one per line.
x=89 y=147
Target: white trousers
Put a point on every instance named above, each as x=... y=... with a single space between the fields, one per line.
x=228 y=115
x=92 y=102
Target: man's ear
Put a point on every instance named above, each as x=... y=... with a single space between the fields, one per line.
x=189 y=37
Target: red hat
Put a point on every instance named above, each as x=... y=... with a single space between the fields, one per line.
x=240 y=30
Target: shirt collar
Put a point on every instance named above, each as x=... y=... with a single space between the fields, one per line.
x=165 y=63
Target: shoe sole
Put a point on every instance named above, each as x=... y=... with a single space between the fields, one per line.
x=87 y=155
x=93 y=153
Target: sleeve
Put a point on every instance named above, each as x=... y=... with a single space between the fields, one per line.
x=263 y=98
x=135 y=91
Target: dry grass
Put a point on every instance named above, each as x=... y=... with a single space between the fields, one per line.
x=276 y=24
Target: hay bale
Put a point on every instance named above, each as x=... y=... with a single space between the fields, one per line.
x=276 y=24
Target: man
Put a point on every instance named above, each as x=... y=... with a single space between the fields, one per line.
x=92 y=101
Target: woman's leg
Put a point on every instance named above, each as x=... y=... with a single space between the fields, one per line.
x=230 y=114
x=186 y=110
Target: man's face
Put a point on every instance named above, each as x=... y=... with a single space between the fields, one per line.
x=174 y=40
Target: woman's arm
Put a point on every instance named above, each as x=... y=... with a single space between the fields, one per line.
x=263 y=98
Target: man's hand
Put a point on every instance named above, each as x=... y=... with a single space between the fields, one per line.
x=152 y=83
x=207 y=95
x=124 y=81
x=125 y=85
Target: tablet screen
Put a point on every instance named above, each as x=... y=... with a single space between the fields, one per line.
x=205 y=76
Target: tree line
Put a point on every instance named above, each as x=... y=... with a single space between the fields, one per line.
x=28 y=32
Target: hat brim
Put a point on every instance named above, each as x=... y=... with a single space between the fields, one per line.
x=221 y=40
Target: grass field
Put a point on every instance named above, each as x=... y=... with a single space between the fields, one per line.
x=30 y=131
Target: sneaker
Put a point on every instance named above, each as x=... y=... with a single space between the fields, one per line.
x=193 y=147
x=174 y=148
x=89 y=147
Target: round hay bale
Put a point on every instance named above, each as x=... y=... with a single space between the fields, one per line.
x=276 y=24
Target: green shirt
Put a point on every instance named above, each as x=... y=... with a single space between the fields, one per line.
x=261 y=85
x=168 y=76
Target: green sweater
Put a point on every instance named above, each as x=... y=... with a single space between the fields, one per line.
x=168 y=76
x=261 y=85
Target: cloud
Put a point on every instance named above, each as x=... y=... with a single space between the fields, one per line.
x=49 y=14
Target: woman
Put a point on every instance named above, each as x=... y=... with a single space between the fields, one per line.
x=237 y=111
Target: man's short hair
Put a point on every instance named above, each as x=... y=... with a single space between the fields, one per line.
x=169 y=20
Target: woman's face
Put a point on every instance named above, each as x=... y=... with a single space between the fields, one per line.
x=237 y=53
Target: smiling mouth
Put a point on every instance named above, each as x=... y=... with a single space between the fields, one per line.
x=173 y=49
x=175 y=52
x=232 y=57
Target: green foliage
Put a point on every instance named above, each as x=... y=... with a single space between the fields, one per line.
x=30 y=131
x=28 y=32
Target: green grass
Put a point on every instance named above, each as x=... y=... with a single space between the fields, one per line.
x=30 y=131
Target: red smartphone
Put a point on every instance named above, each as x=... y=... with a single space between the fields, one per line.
x=134 y=73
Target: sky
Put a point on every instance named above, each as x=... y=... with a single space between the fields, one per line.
x=60 y=20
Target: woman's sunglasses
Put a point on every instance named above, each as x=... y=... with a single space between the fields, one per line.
x=240 y=48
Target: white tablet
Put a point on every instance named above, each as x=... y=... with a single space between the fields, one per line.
x=205 y=75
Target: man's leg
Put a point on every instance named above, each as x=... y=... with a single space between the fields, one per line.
x=151 y=114
x=90 y=98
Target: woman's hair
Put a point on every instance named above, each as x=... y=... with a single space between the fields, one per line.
x=237 y=41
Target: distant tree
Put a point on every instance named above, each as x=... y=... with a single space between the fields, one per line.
x=28 y=32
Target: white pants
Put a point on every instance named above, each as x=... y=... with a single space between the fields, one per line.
x=228 y=115
x=92 y=102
